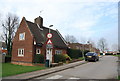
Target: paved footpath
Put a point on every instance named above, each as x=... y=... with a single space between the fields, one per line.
x=39 y=73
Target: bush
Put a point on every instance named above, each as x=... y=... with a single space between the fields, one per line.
x=59 y=58
x=67 y=57
x=39 y=58
x=74 y=54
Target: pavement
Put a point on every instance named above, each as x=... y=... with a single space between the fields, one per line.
x=118 y=66
x=35 y=74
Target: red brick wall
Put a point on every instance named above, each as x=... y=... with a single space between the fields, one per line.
x=27 y=44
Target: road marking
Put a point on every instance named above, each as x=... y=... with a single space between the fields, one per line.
x=73 y=78
x=55 y=77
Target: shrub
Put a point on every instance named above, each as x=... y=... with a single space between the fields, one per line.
x=39 y=58
x=67 y=57
x=59 y=58
x=74 y=53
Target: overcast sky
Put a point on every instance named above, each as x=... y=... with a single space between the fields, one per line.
x=84 y=19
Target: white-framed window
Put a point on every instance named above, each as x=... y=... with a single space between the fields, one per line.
x=22 y=36
x=38 y=51
x=21 y=52
x=58 y=51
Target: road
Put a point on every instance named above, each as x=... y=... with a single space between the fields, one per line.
x=106 y=68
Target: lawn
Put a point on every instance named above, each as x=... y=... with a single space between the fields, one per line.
x=9 y=69
x=117 y=55
x=118 y=77
x=81 y=58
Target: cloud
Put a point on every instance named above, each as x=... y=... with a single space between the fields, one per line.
x=81 y=18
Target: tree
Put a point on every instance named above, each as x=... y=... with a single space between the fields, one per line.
x=10 y=24
x=102 y=44
x=70 y=39
x=115 y=47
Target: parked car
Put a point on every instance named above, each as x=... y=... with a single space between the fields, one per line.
x=91 y=56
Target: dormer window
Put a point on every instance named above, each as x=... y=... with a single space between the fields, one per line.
x=22 y=36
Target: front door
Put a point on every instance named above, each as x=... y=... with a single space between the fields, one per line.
x=49 y=54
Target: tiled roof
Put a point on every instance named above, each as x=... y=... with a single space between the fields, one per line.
x=40 y=34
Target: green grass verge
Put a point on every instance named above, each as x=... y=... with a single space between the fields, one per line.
x=9 y=69
x=81 y=58
x=117 y=55
x=118 y=77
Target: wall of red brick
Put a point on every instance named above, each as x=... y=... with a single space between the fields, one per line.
x=27 y=44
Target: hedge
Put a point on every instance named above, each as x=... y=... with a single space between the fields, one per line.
x=101 y=53
x=59 y=58
x=75 y=54
x=108 y=53
x=39 y=58
x=118 y=53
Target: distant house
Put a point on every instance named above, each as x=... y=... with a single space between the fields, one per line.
x=3 y=48
x=79 y=46
x=82 y=47
x=30 y=39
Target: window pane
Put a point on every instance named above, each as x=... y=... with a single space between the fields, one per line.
x=19 y=51
x=22 y=52
x=38 y=51
x=22 y=36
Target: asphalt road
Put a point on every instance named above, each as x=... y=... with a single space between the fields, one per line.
x=106 y=68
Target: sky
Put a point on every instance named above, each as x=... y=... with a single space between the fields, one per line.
x=84 y=19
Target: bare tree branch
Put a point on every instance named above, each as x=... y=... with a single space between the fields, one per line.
x=9 y=25
x=102 y=44
x=70 y=39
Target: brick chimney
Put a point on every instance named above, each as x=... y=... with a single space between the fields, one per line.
x=39 y=21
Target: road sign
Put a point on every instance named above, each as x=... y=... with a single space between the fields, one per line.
x=49 y=46
x=49 y=35
x=49 y=42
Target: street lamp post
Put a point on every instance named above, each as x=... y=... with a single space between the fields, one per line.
x=83 y=51
x=49 y=47
x=49 y=27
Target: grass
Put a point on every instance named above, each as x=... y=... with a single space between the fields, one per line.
x=81 y=58
x=9 y=69
x=117 y=55
x=118 y=77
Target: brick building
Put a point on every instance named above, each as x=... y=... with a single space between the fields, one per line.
x=30 y=39
x=82 y=47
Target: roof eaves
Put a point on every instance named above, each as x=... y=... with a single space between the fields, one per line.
x=61 y=37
